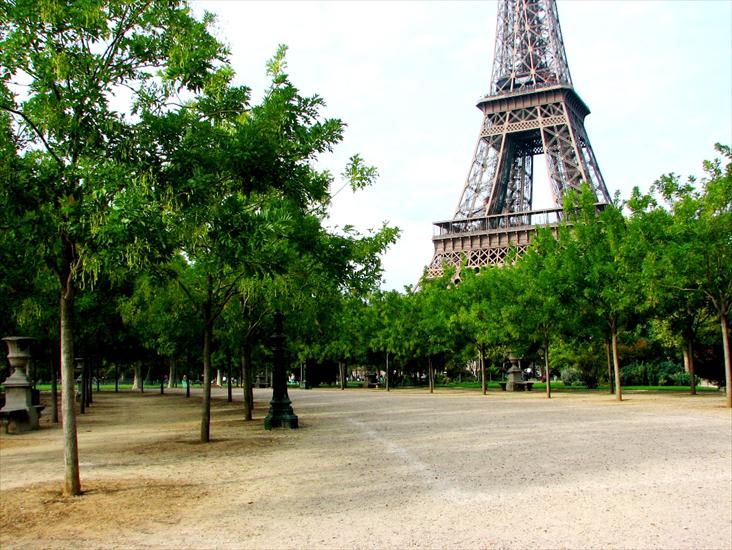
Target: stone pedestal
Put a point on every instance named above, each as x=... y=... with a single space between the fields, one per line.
x=280 y=408
x=20 y=414
x=515 y=375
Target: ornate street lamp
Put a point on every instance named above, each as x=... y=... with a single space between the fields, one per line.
x=280 y=408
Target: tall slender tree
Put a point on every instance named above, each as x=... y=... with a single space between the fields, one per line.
x=700 y=246
x=481 y=310
x=65 y=67
x=385 y=311
x=245 y=198
x=543 y=300
x=676 y=309
x=603 y=267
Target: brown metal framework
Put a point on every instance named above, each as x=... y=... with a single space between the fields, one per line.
x=532 y=109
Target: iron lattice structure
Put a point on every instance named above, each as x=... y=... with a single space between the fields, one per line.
x=531 y=109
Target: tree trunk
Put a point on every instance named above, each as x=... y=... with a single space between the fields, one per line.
x=83 y=386
x=386 y=377
x=89 y=384
x=116 y=378
x=342 y=374
x=616 y=361
x=206 y=406
x=137 y=377
x=483 y=383
x=609 y=366
x=689 y=362
x=171 y=373
x=89 y=381
x=228 y=379
x=246 y=381
x=431 y=375
x=546 y=369
x=72 y=482
x=219 y=381
x=162 y=380
x=727 y=359
x=54 y=384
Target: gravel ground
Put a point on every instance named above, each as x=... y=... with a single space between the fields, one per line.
x=371 y=469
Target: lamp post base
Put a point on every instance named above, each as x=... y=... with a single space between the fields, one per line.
x=280 y=415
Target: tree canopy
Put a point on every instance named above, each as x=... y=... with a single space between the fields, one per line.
x=149 y=207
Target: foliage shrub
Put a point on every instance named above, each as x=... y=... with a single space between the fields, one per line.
x=590 y=373
x=493 y=372
x=680 y=379
x=664 y=373
x=636 y=374
x=578 y=363
x=672 y=374
x=571 y=376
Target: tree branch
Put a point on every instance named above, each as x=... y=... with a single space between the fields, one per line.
x=187 y=292
x=37 y=132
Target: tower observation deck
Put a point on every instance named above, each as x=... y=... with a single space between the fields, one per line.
x=532 y=109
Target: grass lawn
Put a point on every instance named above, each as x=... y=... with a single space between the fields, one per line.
x=560 y=386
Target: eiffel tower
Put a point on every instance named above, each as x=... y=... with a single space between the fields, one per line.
x=531 y=109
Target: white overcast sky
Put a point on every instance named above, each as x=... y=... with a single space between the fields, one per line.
x=405 y=77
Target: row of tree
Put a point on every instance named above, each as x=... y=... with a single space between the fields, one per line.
x=127 y=149
x=653 y=272
x=647 y=284
x=657 y=268
x=169 y=230
x=650 y=278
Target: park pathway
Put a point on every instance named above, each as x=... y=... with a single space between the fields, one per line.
x=409 y=469
x=371 y=469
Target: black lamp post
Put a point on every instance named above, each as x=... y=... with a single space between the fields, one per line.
x=280 y=408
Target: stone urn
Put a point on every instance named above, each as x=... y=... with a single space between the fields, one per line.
x=19 y=354
x=19 y=412
x=514 y=375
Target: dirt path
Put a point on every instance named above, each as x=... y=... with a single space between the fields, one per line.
x=370 y=469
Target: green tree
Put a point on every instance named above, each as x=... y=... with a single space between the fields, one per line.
x=482 y=299
x=328 y=289
x=542 y=296
x=245 y=199
x=431 y=335
x=158 y=314
x=62 y=63
x=236 y=174
x=246 y=319
x=385 y=313
x=700 y=235
x=677 y=311
x=345 y=340
x=602 y=265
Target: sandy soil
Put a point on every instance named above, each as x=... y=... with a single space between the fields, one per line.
x=370 y=469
